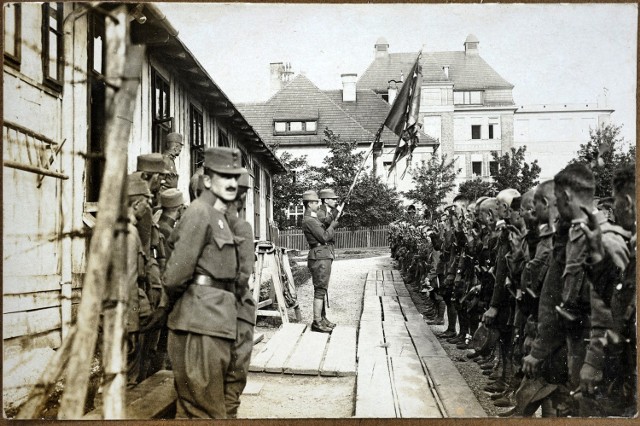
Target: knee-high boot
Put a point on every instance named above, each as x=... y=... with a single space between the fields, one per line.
x=317 y=324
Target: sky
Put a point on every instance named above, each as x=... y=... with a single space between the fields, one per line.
x=551 y=53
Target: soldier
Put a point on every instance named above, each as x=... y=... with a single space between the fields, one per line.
x=236 y=377
x=609 y=375
x=138 y=309
x=200 y=282
x=327 y=212
x=173 y=148
x=172 y=202
x=320 y=258
x=501 y=310
x=574 y=190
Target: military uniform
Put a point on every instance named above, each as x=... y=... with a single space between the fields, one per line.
x=200 y=281
x=612 y=344
x=320 y=257
x=236 y=378
x=171 y=173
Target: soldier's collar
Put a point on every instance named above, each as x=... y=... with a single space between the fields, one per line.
x=314 y=214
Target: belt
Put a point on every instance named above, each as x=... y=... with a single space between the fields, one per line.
x=207 y=281
x=319 y=244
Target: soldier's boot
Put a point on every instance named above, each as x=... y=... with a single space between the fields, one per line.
x=317 y=324
x=325 y=321
x=440 y=307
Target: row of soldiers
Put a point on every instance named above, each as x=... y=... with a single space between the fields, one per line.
x=550 y=275
x=190 y=308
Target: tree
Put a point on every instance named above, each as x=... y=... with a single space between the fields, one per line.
x=288 y=187
x=433 y=180
x=603 y=153
x=372 y=202
x=514 y=172
x=473 y=189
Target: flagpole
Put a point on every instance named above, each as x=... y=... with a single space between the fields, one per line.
x=364 y=161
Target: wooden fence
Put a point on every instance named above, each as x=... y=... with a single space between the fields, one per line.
x=375 y=236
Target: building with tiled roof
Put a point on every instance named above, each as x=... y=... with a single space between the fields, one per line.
x=295 y=117
x=465 y=104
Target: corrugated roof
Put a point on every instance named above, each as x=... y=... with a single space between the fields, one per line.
x=466 y=72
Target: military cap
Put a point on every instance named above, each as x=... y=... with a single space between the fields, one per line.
x=224 y=160
x=151 y=163
x=327 y=193
x=137 y=186
x=310 y=195
x=174 y=137
x=171 y=197
x=243 y=183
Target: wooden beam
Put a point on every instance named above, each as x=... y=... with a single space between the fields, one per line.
x=116 y=133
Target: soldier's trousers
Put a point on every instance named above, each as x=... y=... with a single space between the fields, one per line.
x=320 y=274
x=238 y=368
x=576 y=352
x=200 y=365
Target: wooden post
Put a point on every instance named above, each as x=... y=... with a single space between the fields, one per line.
x=117 y=133
x=114 y=352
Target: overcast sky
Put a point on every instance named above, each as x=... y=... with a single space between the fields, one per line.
x=550 y=53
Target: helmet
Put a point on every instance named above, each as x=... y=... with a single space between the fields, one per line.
x=310 y=195
x=327 y=193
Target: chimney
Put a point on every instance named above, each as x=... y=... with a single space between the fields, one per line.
x=392 y=91
x=349 y=87
x=276 y=69
x=471 y=45
x=446 y=71
x=381 y=48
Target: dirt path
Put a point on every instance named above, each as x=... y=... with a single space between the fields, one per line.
x=289 y=396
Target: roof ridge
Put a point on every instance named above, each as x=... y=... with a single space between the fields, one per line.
x=299 y=76
x=346 y=113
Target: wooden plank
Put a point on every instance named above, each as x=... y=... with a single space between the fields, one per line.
x=393 y=328
x=30 y=283
x=389 y=290
x=33 y=322
x=285 y=347
x=454 y=392
x=411 y=387
x=340 y=359
x=264 y=303
x=407 y=306
x=424 y=340
x=259 y=362
x=370 y=338
x=379 y=275
x=308 y=354
x=374 y=397
x=391 y=309
x=265 y=313
x=18 y=346
x=379 y=288
x=399 y=346
x=386 y=275
x=34 y=301
x=396 y=275
x=155 y=400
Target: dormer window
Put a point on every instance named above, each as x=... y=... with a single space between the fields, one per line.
x=473 y=97
x=295 y=127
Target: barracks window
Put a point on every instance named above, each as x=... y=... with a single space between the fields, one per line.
x=52 y=45
x=12 y=38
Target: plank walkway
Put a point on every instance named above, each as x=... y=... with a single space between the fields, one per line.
x=402 y=370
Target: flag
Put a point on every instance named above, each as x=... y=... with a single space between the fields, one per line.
x=404 y=117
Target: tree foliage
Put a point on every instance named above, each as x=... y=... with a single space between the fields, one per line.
x=433 y=180
x=288 y=187
x=371 y=202
x=514 y=171
x=604 y=154
x=475 y=188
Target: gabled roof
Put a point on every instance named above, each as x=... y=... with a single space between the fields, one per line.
x=296 y=101
x=466 y=72
x=301 y=99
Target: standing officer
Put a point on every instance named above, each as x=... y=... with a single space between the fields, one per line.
x=200 y=282
x=236 y=378
x=172 y=202
x=320 y=258
x=173 y=149
x=327 y=212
